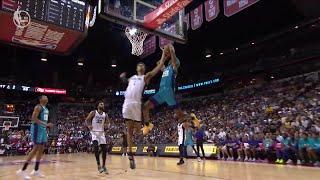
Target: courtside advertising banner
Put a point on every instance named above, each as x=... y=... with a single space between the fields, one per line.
x=167 y=150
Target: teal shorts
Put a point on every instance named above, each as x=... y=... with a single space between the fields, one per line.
x=165 y=96
x=38 y=134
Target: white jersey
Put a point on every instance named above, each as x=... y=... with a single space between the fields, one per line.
x=98 y=122
x=135 y=89
x=181 y=134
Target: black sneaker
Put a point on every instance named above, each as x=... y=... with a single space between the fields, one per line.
x=180 y=162
x=132 y=163
x=105 y=170
x=100 y=169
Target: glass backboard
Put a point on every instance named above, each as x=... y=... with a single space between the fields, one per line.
x=134 y=12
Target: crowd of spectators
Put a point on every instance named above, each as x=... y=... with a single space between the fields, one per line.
x=15 y=142
x=276 y=122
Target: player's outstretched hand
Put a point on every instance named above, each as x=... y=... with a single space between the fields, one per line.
x=123 y=75
x=165 y=53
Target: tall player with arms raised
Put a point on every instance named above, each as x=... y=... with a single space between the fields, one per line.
x=96 y=122
x=166 y=93
x=40 y=117
x=132 y=104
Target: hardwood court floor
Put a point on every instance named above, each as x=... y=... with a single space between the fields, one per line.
x=82 y=166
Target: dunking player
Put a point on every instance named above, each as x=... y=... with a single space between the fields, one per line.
x=39 y=137
x=166 y=93
x=132 y=104
x=98 y=120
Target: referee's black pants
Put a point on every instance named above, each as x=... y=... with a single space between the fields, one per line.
x=200 y=145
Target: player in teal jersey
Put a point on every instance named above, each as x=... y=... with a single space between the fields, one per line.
x=39 y=137
x=312 y=147
x=166 y=93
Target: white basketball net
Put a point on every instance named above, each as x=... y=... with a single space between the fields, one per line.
x=136 y=38
x=7 y=127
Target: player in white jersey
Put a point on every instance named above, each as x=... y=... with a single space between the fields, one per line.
x=98 y=120
x=181 y=140
x=131 y=109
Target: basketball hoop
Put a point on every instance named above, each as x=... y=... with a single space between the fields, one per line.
x=136 y=38
x=7 y=125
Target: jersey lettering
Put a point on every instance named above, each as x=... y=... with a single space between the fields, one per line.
x=165 y=73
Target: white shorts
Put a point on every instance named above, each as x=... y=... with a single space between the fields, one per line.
x=98 y=136
x=132 y=111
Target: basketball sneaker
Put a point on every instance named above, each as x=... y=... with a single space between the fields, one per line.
x=105 y=170
x=37 y=174
x=100 y=169
x=147 y=128
x=298 y=162
x=22 y=174
x=180 y=162
x=199 y=159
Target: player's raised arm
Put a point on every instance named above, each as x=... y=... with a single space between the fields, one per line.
x=89 y=120
x=35 y=116
x=156 y=70
x=174 y=59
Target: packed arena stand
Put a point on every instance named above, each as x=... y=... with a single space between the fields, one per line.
x=276 y=122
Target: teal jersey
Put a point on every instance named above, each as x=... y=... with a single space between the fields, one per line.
x=302 y=143
x=168 y=78
x=188 y=137
x=311 y=142
x=287 y=142
x=44 y=114
x=317 y=142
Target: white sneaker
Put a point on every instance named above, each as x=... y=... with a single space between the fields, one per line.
x=199 y=159
x=299 y=162
x=230 y=159
x=239 y=159
x=289 y=161
x=37 y=174
x=122 y=155
x=246 y=159
x=22 y=174
x=254 y=160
